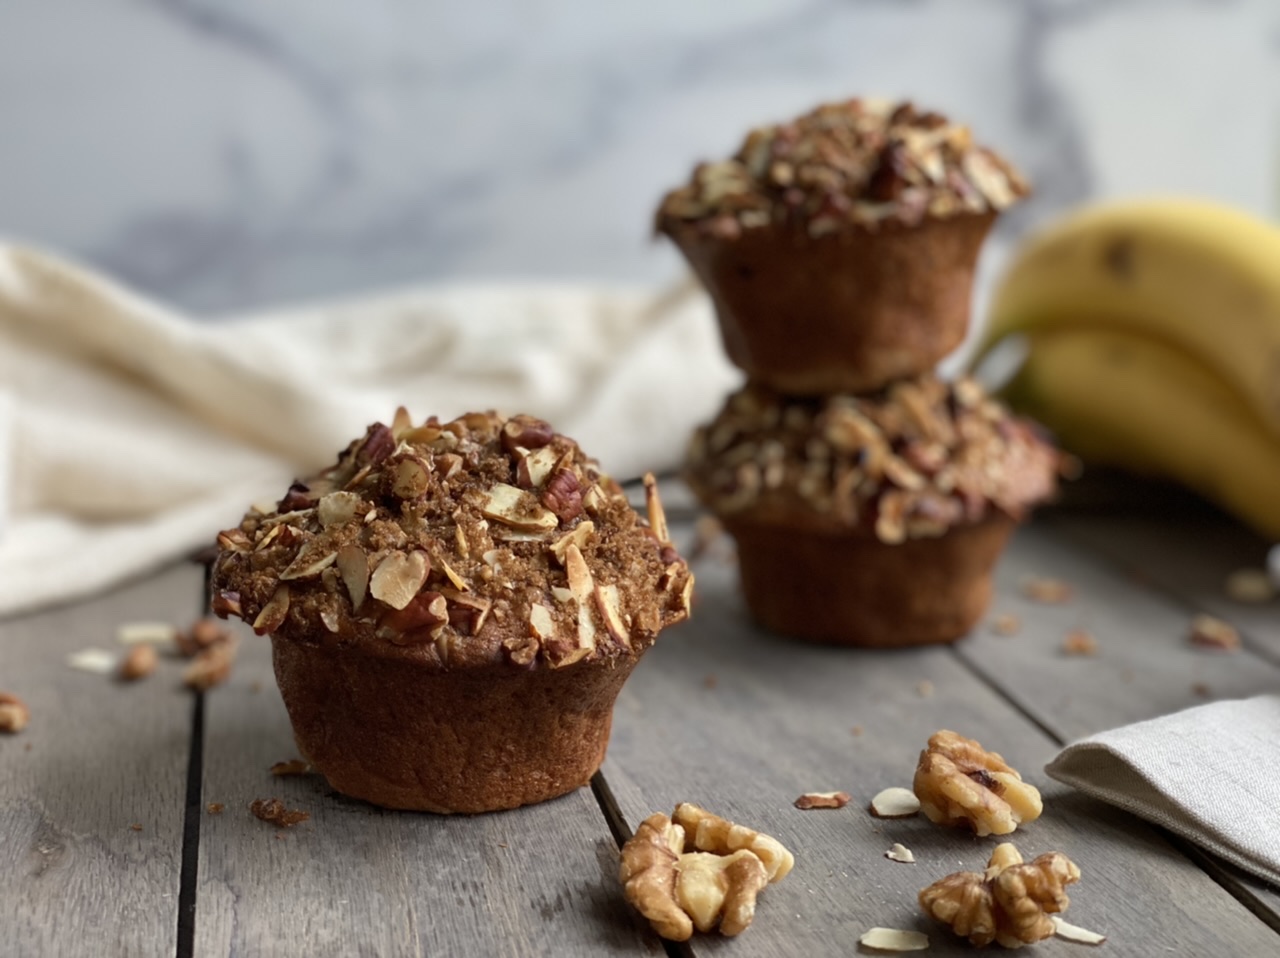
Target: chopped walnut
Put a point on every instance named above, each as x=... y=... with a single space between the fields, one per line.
x=959 y=783
x=14 y=713
x=273 y=811
x=699 y=871
x=1010 y=903
x=139 y=663
x=201 y=634
x=210 y=667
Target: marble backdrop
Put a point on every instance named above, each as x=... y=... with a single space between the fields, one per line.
x=228 y=154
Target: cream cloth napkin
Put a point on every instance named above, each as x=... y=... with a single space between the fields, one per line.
x=1208 y=774
x=131 y=434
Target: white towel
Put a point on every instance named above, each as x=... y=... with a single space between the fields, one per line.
x=130 y=434
x=1207 y=774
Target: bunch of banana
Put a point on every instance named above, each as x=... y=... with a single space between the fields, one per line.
x=1154 y=345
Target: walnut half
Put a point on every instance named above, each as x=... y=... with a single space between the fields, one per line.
x=699 y=871
x=1009 y=904
x=960 y=783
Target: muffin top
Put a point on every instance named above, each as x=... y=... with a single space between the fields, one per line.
x=910 y=462
x=854 y=164
x=482 y=540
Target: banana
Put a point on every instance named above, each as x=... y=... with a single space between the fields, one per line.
x=1116 y=398
x=1198 y=276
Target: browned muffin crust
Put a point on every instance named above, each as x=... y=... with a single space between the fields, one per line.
x=913 y=461
x=473 y=542
x=853 y=164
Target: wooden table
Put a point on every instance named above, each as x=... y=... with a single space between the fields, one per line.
x=719 y=713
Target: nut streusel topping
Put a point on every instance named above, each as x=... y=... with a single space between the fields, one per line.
x=910 y=462
x=859 y=163
x=462 y=543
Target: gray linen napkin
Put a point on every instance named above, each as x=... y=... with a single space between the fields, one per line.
x=1210 y=774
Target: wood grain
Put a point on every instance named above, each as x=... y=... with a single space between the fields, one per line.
x=356 y=880
x=97 y=758
x=777 y=722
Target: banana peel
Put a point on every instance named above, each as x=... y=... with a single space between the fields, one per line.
x=1116 y=397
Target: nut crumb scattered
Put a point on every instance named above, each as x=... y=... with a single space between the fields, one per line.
x=924 y=688
x=1250 y=586
x=900 y=853
x=1201 y=689
x=710 y=682
x=857 y=731
x=14 y=714
x=210 y=667
x=294 y=766
x=273 y=810
x=1006 y=624
x=894 y=939
x=1079 y=642
x=136 y=827
x=215 y=808
x=895 y=802
x=200 y=635
x=822 y=800
x=1047 y=590
x=1210 y=633
x=140 y=662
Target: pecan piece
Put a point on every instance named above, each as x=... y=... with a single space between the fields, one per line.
x=563 y=495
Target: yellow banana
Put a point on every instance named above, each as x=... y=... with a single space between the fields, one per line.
x=1116 y=398
x=1201 y=277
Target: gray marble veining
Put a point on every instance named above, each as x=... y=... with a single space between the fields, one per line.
x=225 y=154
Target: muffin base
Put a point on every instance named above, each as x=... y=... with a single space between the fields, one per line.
x=845 y=312
x=852 y=589
x=398 y=735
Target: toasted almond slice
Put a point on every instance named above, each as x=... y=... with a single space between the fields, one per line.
x=97 y=661
x=894 y=939
x=337 y=508
x=577 y=536
x=518 y=509
x=582 y=585
x=657 y=515
x=822 y=800
x=900 y=853
x=294 y=766
x=353 y=564
x=540 y=621
x=1083 y=936
x=458 y=582
x=308 y=563
x=330 y=619
x=895 y=803
x=609 y=604
x=561 y=594
x=398 y=578
x=146 y=633
x=272 y=615
x=573 y=655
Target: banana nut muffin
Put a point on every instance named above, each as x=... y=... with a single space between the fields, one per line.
x=870 y=520
x=453 y=608
x=839 y=247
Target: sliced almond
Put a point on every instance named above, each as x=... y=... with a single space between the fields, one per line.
x=329 y=617
x=398 y=578
x=518 y=509
x=582 y=585
x=610 y=607
x=1210 y=633
x=273 y=614
x=97 y=661
x=894 y=939
x=593 y=499
x=402 y=423
x=337 y=508
x=541 y=624
x=895 y=802
x=470 y=611
x=822 y=800
x=353 y=564
x=1250 y=586
x=1083 y=936
x=657 y=515
x=146 y=633
x=458 y=582
x=410 y=479
x=560 y=593
x=900 y=853
x=309 y=562
x=577 y=536
x=534 y=467
x=568 y=658
x=234 y=540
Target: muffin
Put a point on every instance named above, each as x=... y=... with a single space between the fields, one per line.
x=871 y=521
x=453 y=608
x=839 y=248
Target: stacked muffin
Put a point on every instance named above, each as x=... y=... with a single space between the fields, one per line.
x=870 y=499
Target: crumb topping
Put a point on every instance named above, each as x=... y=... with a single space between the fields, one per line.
x=859 y=163
x=462 y=543
x=910 y=462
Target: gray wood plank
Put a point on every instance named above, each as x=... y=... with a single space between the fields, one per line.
x=96 y=758
x=778 y=723
x=357 y=880
x=1145 y=666
x=1189 y=556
